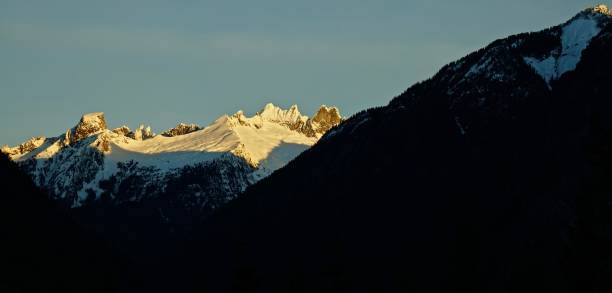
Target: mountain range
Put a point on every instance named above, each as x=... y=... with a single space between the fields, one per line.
x=491 y=176
x=210 y=165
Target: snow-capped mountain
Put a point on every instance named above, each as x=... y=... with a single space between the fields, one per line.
x=207 y=166
x=492 y=176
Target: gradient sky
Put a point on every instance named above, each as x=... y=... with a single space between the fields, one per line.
x=161 y=62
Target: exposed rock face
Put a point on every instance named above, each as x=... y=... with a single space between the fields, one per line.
x=65 y=141
x=141 y=133
x=603 y=9
x=102 y=142
x=243 y=120
x=291 y=117
x=25 y=147
x=123 y=130
x=6 y=150
x=181 y=129
x=31 y=144
x=323 y=121
x=89 y=124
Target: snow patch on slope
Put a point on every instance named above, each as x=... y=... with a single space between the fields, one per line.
x=575 y=37
x=272 y=145
x=217 y=137
x=546 y=68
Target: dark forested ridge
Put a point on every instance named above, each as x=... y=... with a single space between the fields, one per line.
x=472 y=181
x=43 y=250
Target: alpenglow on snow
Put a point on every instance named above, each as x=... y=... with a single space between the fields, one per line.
x=90 y=162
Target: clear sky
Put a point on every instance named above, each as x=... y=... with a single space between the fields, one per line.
x=161 y=62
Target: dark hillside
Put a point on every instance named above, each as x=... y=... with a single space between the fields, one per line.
x=472 y=181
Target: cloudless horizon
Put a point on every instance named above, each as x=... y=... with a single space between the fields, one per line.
x=161 y=62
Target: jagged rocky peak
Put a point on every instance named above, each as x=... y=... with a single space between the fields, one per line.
x=324 y=119
x=328 y=115
x=25 y=147
x=241 y=119
x=89 y=124
x=275 y=114
x=181 y=129
x=598 y=13
x=141 y=133
x=6 y=149
x=95 y=120
x=239 y=115
x=123 y=130
x=601 y=9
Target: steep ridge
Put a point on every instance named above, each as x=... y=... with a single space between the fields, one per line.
x=90 y=163
x=489 y=177
x=575 y=35
x=181 y=129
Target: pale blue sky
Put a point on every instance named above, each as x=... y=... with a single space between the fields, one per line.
x=161 y=62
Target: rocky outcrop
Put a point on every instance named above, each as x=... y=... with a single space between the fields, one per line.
x=292 y=117
x=601 y=8
x=5 y=149
x=181 y=129
x=123 y=130
x=240 y=119
x=141 y=133
x=89 y=124
x=25 y=147
x=323 y=121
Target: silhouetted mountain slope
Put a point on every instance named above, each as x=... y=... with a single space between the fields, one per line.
x=493 y=176
x=43 y=250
